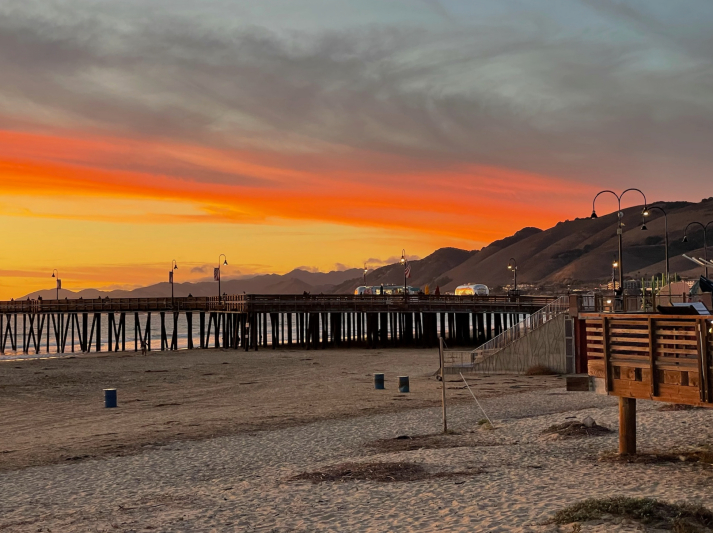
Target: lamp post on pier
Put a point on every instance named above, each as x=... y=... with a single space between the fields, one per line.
x=174 y=266
x=512 y=265
x=403 y=264
x=225 y=263
x=59 y=281
x=614 y=265
x=665 y=232
x=619 y=224
x=705 y=249
x=365 y=271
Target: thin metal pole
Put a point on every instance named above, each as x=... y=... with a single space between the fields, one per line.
x=705 y=249
x=443 y=385
x=621 y=257
x=619 y=215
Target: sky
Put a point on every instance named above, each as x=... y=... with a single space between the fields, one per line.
x=327 y=134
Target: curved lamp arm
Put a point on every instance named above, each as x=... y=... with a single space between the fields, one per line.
x=618 y=199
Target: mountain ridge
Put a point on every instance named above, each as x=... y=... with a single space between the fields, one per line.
x=570 y=254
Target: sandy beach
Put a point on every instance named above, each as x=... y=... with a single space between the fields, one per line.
x=201 y=445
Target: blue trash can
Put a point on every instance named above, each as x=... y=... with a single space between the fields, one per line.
x=379 y=381
x=109 y=397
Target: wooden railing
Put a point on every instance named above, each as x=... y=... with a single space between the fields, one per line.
x=275 y=303
x=652 y=356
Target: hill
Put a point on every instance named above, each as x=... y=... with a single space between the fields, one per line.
x=573 y=253
x=295 y=282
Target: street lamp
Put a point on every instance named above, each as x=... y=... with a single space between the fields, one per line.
x=365 y=271
x=174 y=266
x=59 y=281
x=225 y=263
x=614 y=266
x=705 y=249
x=512 y=265
x=619 y=224
x=403 y=263
x=665 y=232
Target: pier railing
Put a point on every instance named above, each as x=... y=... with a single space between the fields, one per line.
x=522 y=328
x=277 y=303
x=461 y=360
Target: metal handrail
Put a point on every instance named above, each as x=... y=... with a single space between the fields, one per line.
x=523 y=328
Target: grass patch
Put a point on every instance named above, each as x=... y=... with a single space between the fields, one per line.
x=540 y=370
x=381 y=472
x=681 y=518
x=574 y=429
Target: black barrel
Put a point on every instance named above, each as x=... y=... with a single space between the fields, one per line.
x=109 y=397
x=379 y=381
x=403 y=384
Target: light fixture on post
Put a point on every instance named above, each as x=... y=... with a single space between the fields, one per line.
x=174 y=266
x=665 y=233
x=404 y=264
x=619 y=225
x=225 y=263
x=512 y=265
x=614 y=266
x=365 y=271
x=705 y=240
x=59 y=281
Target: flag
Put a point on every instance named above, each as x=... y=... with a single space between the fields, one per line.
x=216 y=274
x=59 y=283
x=407 y=269
x=170 y=277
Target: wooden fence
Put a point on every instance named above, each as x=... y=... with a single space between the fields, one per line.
x=658 y=357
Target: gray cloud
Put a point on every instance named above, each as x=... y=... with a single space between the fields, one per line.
x=594 y=90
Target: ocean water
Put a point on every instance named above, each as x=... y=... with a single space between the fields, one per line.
x=47 y=345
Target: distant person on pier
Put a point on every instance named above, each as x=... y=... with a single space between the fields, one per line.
x=382 y=289
x=438 y=291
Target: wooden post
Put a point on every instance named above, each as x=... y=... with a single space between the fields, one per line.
x=122 y=325
x=605 y=350
x=189 y=327
x=201 y=330
x=652 y=356
x=443 y=385
x=627 y=426
x=98 y=317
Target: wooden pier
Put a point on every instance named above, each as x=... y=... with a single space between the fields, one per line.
x=253 y=321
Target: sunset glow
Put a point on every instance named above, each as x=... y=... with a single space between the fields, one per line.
x=310 y=145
